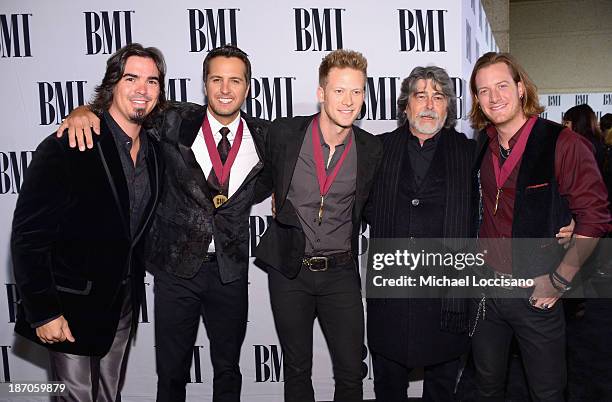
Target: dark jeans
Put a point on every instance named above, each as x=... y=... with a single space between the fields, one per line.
x=541 y=338
x=391 y=380
x=179 y=304
x=334 y=296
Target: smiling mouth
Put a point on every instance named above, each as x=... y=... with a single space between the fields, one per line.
x=225 y=101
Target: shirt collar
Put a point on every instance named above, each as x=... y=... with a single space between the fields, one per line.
x=322 y=140
x=215 y=126
x=492 y=133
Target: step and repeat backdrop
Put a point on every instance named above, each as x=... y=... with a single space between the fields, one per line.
x=557 y=104
x=53 y=54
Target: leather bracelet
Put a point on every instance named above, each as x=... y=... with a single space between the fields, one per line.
x=560 y=279
x=560 y=289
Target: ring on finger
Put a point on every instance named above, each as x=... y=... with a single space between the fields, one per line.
x=532 y=301
x=545 y=306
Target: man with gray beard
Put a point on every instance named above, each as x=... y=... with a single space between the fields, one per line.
x=424 y=189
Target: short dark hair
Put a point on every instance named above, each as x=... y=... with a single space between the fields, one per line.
x=115 y=67
x=227 y=51
x=440 y=78
x=605 y=123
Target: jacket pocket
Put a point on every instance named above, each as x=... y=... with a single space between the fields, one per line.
x=75 y=286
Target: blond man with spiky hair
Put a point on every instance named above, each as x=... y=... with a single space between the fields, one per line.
x=320 y=169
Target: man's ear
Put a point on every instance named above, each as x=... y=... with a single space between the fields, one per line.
x=321 y=94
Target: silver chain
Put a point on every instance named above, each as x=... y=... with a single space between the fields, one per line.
x=482 y=308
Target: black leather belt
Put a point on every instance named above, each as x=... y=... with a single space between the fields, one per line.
x=209 y=257
x=325 y=262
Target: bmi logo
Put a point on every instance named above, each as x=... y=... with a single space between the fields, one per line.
x=270 y=97
x=268 y=363
x=210 y=28
x=12 y=299
x=582 y=98
x=107 y=31
x=607 y=99
x=6 y=372
x=459 y=84
x=144 y=308
x=422 y=30
x=257 y=227
x=554 y=100
x=58 y=98
x=380 y=96
x=196 y=365
x=177 y=89
x=318 y=29
x=15 y=35
x=13 y=165
x=544 y=115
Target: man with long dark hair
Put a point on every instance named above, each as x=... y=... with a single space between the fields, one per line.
x=198 y=247
x=76 y=246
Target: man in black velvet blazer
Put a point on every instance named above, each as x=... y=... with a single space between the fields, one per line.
x=197 y=250
x=310 y=247
x=77 y=228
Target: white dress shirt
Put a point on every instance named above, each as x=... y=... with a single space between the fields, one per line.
x=246 y=159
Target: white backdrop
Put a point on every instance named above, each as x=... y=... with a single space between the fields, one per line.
x=53 y=53
x=557 y=104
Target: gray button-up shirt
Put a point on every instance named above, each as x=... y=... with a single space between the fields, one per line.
x=333 y=235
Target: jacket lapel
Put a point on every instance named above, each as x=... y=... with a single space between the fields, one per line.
x=293 y=141
x=187 y=135
x=259 y=141
x=366 y=167
x=111 y=161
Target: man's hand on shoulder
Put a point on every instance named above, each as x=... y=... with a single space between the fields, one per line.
x=80 y=123
x=56 y=330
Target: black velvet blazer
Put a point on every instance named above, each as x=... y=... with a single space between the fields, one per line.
x=71 y=242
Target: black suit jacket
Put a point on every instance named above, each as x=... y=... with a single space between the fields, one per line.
x=282 y=246
x=71 y=242
x=186 y=219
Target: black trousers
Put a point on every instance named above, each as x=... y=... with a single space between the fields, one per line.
x=541 y=338
x=179 y=304
x=391 y=380
x=334 y=296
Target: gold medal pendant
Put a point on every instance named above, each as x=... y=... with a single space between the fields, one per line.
x=219 y=200
x=320 y=216
x=499 y=191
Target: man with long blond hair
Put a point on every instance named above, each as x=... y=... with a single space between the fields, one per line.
x=321 y=169
x=534 y=175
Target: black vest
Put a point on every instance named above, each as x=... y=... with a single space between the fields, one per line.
x=539 y=209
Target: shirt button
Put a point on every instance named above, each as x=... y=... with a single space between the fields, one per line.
x=415 y=202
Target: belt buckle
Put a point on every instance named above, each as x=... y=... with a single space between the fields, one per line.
x=499 y=275
x=317 y=264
